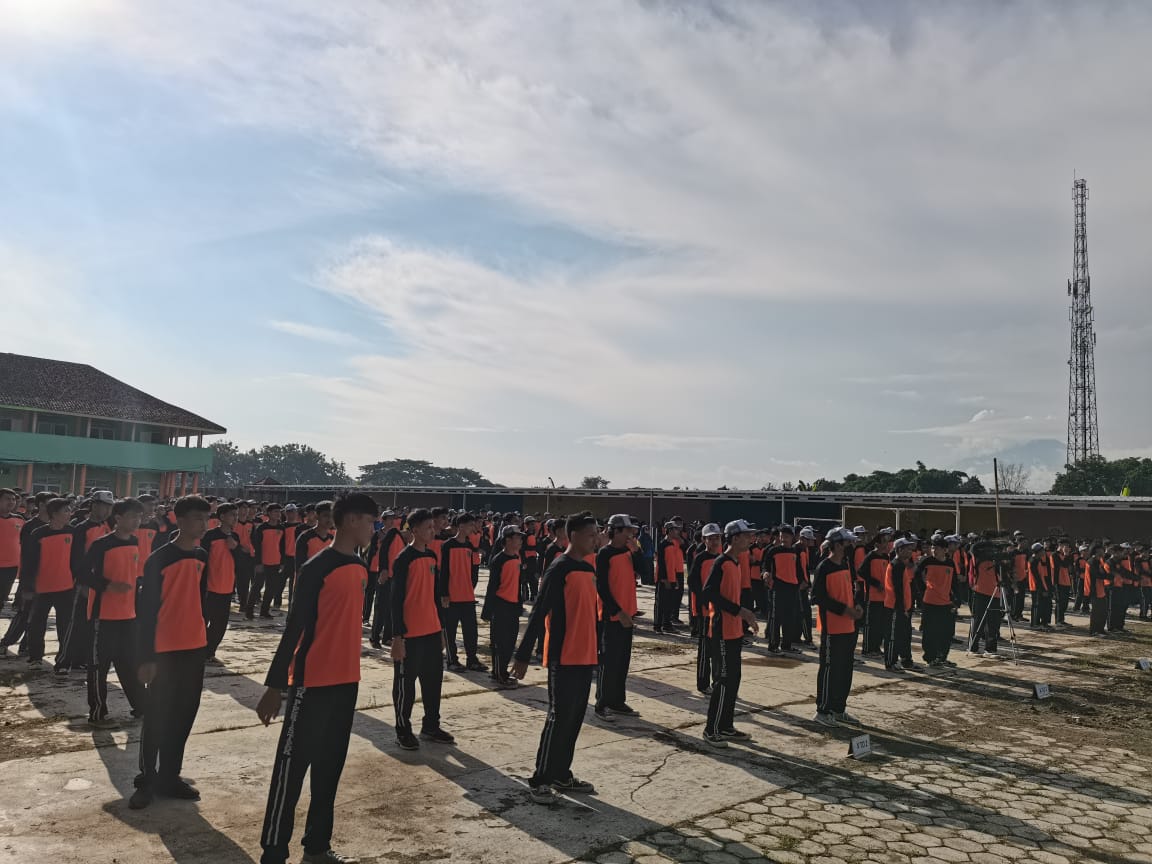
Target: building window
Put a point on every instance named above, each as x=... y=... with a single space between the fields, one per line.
x=148 y=489
x=104 y=433
x=5 y=424
x=158 y=438
x=46 y=486
x=52 y=427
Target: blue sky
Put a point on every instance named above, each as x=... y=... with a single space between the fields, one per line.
x=667 y=243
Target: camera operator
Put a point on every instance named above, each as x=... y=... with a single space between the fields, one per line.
x=987 y=609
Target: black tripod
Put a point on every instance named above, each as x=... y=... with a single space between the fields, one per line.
x=979 y=628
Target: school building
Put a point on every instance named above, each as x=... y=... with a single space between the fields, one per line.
x=68 y=427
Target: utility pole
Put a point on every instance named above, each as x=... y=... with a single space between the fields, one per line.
x=1083 y=433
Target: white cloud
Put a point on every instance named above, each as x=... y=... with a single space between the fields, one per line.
x=312 y=332
x=986 y=414
x=654 y=441
x=909 y=395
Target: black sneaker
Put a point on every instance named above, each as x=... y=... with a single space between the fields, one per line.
x=475 y=666
x=103 y=723
x=437 y=736
x=179 y=790
x=603 y=715
x=624 y=710
x=375 y=643
x=717 y=741
x=893 y=668
x=141 y=798
x=328 y=856
x=455 y=666
x=407 y=741
x=543 y=794
x=734 y=735
x=574 y=785
x=949 y=664
x=909 y=665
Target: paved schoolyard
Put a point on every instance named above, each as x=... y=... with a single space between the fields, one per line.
x=968 y=768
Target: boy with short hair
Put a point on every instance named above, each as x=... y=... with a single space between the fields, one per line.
x=222 y=544
x=318 y=662
x=171 y=643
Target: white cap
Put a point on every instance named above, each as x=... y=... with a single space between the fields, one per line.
x=710 y=530
x=620 y=520
x=1037 y=547
x=103 y=497
x=902 y=543
x=510 y=531
x=859 y=529
x=884 y=531
x=954 y=538
x=738 y=526
x=807 y=533
x=840 y=535
x=290 y=507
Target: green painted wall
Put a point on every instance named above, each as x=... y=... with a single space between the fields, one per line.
x=25 y=447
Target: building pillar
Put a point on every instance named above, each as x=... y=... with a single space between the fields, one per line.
x=28 y=485
x=83 y=480
x=183 y=483
x=128 y=484
x=195 y=483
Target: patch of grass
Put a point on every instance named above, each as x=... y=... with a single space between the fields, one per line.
x=787 y=844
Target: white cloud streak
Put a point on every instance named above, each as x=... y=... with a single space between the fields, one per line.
x=312 y=332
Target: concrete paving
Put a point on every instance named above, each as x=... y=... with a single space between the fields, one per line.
x=963 y=772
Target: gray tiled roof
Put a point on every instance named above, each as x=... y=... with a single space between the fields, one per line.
x=77 y=388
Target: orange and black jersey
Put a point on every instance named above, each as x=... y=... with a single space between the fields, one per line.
x=244 y=532
x=701 y=564
x=784 y=564
x=1096 y=579
x=311 y=542
x=320 y=646
x=565 y=612
x=292 y=530
x=551 y=552
x=898 y=586
x=111 y=559
x=669 y=561
x=46 y=560
x=268 y=541
x=388 y=549
x=1063 y=566
x=10 y=530
x=616 y=581
x=28 y=527
x=722 y=588
x=415 y=605
x=872 y=571
x=169 y=608
x=833 y=594
x=503 y=579
x=220 y=576
x=455 y=579
x=84 y=535
x=938 y=579
x=1039 y=573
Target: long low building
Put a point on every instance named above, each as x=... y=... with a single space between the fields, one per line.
x=68 y=427
x=1036 y=515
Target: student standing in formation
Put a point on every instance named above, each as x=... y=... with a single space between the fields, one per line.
x=292 y=528
x=223 y=546
x=728 y=618
x=78 y=639
x=1063 y=566
x=713 y=539
x=171 y=642
x=898 y=608
x=10 y=525
x=268 y=541
x=1096 y=589
x=873 y=569
x=18 y=626
x=1040 y=584
x=111 y=569
x=313 y=539
x=565 y=612
x=937 y=574
x=1019 y=575
x=46 y=581
x=388 y=548
x=783 y=573
x=458 y=595
x=245 y=554
x=502 y=602
x=417 y=650
x=318 y=663
x=669 y=579
x=616 y=586
x=833 y=593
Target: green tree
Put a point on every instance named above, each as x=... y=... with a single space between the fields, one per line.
x=1098 y=476
x=595 y=482
x=420 y=472
x=291 y=464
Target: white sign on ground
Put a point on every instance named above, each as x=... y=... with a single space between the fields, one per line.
x=860 y=747
x=1041 y=691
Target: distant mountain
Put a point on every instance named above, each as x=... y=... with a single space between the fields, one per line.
x=1043 y=457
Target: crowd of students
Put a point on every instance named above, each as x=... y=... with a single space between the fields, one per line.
x=148 y=588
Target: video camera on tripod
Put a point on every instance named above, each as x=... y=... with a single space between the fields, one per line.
x=999 y=550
